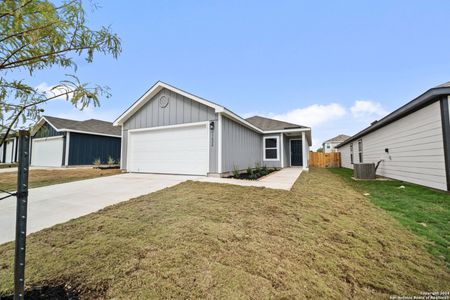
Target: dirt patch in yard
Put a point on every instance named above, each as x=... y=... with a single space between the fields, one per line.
x=204 y=240
x=37 y=178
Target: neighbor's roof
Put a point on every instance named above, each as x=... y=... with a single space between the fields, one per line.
x=91 y=126
x=421 y=101
x=339 y=138
x=267 y=124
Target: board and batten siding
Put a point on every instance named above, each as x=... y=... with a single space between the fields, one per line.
x=179 y=110
x=241 y=146
x=46 y=130
x=84 y=149
x=416 y=149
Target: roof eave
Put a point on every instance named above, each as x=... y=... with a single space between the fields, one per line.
x=423 y=100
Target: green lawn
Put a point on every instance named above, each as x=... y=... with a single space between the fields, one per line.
x=322 y=240
x=422 y=210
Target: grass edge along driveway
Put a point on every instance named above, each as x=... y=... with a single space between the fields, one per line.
x=45 y=177
x=207 y=240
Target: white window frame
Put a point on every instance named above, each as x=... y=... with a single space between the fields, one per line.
x=360 y=150
x=352 y=157
x=277 y=147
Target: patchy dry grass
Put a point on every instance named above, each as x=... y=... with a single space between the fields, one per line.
x=37 y=178
x=205 y=240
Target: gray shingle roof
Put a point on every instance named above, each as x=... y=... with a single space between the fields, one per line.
x=271 y=124
x=339 y=138
x=91 y=125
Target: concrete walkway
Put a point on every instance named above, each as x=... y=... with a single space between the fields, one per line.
x=59 y=203
x=283 y=179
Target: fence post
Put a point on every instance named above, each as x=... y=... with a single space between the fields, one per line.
x=21 y=214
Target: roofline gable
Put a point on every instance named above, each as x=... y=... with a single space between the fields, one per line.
x=39 y=124
x=155 y=89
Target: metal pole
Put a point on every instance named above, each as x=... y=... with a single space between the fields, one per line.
x=21 y=215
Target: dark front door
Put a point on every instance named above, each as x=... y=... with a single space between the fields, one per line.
x=296 y=153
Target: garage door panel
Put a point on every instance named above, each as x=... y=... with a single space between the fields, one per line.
x=9 y=157
x=47 y=152
x=181 y=150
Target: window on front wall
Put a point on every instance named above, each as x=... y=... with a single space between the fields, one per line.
x=360 y=151
x=351 y=153
x=328 y=146
x=271 y=148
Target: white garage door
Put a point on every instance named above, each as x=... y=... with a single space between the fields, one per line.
x=47 y=152
x=173 y=150
x=9 y=157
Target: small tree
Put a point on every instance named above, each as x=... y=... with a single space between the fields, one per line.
x=319 y=149
x=38 y=35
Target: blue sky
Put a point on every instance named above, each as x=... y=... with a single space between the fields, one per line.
x=332 y=65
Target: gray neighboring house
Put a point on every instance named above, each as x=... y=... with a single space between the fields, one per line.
x=60 y=142
x=413 y=142
x=330 y=145
x=170 y=131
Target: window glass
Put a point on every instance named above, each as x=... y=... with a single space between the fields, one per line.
x=271 y=148
x=271 y=153
x=271 y=143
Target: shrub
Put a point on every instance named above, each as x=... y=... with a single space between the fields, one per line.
x=235 y=172
x=111 y=161
x=253 y=176
x=97 y=162
x=264 y=168
x=257 y=167
x=249 y=171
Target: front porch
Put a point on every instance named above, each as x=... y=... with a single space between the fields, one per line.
x=289 y=148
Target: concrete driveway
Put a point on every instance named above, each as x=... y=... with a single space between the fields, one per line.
x=59 y=203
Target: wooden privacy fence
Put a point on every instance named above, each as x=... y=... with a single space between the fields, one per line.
x=325 y=160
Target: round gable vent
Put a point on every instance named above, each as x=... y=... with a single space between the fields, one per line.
x=163 y=101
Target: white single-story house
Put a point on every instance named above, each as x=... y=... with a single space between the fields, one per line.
x=412 y=142
x=57 y=142
x=330 y=145
x=171 y=131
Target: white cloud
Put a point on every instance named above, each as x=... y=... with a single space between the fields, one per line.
x=51 y=90
x=313 y=115
x=366 y=108
x=329 y=120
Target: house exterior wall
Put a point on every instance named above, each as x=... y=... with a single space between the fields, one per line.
x=179 y=110
x=345 y=156
x=85 y=148
x=416 y=151
x=287 y=151
x=332 y=146
x=241 y=146
x=213 y=147
x=46 y=131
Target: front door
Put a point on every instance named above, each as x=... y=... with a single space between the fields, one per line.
x=296 y=153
